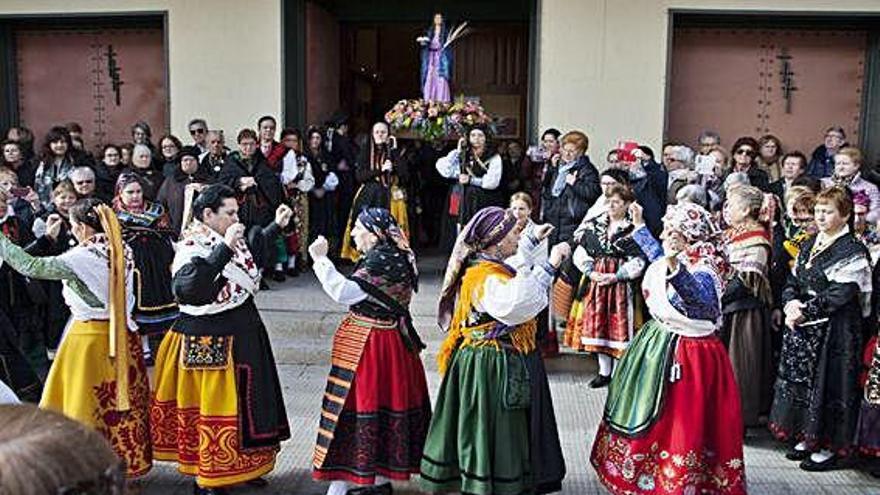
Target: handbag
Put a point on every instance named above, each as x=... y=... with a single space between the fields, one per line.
x=455 y=201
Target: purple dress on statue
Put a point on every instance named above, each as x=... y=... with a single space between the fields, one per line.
x=435 y=87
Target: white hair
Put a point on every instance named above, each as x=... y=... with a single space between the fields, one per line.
x=82 y=171
x=683 y=154
x=138 y=148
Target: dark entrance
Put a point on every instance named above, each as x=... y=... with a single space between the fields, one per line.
x=361 y=57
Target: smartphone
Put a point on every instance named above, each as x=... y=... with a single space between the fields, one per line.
x=705 y=165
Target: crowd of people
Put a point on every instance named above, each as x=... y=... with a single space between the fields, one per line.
x=739 y=276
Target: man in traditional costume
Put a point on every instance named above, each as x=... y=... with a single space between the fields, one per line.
x=218 y=410
x=672 y=421
x=494 y=429
x=376 y=409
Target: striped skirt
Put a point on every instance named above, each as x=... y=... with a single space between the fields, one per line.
x=376 y=410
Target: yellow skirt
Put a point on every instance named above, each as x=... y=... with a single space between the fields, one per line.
x=82 y=386
x=196 y=422
x=398 y=211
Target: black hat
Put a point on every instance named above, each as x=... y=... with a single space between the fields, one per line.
x=188 y=151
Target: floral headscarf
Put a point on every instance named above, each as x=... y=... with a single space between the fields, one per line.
x=382 y=224
x=695 y=224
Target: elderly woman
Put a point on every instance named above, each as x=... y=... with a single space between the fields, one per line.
x=98 y=377
x=172 y=194
x=848 y=163
x=142 y=166
x=383 y=176
x=746 y=302
x=816 y=401
x=376 y=407
x=571 y=185
x=537 y=163
x=146 y=228
x=494 y=430
x=606 y=312
x=679 y=161
x=822 y=159
x=674 y=387
x=745 y=153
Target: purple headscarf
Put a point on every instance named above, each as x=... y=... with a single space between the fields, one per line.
x=487 y=228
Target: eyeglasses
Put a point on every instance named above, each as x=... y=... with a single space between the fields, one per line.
x=169 y=147
x=84 y=181
x=193 y=132
x=745 y=151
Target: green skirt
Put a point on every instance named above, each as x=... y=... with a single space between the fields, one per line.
x=479 y=437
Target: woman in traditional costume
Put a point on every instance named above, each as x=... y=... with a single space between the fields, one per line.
x=816 y=402
x=298 y=180
x=672 y=416
x=477 y=167
x=494 y=429
x=98 y=377
x=383 y=176
x=147 y=229
x=606 y=309
x=218 y=410
x=746 y=302
x=376 y=408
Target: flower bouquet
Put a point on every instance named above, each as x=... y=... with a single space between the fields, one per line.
x=434 y=120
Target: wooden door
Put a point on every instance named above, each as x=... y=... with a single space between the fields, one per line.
x=104 y=79
x=750 y=82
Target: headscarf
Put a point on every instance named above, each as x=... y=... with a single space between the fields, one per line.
x=387 y=272
x=125 y=179
x=695 y=224
x=487 y=228
x=382 y=224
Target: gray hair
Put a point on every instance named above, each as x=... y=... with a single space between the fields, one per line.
x=693 y=193
x=141 y=147
x=684 y=155
x=217 y=133
x=736 y=179
x=709 y=134
x=82 y=171
x=198 y=120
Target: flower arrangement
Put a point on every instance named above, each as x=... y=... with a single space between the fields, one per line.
x=433 y=120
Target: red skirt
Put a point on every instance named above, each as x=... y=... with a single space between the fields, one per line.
x=606 y=324
x=385 y=412
x=695 y=446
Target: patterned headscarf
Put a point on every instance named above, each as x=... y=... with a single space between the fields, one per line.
x=695 y=224
x=122 y=182
x=382 y=224
x=487 y=228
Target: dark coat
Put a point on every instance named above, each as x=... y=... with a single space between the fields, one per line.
x=566 y=211
x=821 y=164
x=256 y=205
x=650 y=192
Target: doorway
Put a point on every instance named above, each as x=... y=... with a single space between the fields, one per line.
x=741 y=78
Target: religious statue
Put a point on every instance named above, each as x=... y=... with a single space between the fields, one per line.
x=437 y=58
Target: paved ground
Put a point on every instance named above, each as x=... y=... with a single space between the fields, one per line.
x=301 y=320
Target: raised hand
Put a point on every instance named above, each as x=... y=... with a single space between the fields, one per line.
x=319 y=247
x=234 y=235
x=283 y=215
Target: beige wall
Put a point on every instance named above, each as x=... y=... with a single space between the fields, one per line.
x=224 y=55
x=602 y=63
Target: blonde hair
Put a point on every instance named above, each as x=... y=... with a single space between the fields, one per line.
x=854 y=154
x=524 y=197
x=799 y=197
x=43 y=452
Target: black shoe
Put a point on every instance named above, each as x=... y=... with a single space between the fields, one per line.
x=293 y=272
x=601 y=381
x=200 y=490
x=797 y=455
x=264 y=285
x=831 y=464
x=383 y=489
x=257 y=482
x=278 y=276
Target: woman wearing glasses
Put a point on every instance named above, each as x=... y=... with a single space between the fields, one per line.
x=745 y=153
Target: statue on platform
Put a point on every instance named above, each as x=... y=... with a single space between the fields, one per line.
x=437 y=58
